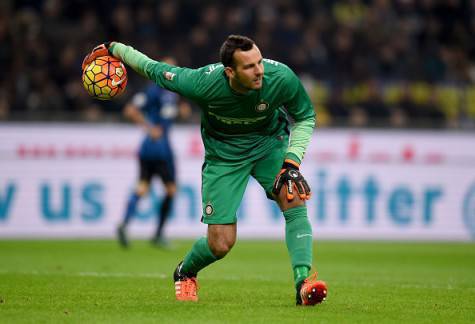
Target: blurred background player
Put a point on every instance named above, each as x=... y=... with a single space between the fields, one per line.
x=155 y=109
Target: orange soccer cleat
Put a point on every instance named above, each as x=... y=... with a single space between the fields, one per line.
x=311 y=291
x=186 y=286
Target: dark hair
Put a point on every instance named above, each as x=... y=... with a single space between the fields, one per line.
x=230 y=45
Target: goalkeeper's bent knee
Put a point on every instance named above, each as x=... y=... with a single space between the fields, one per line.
x=285 y=204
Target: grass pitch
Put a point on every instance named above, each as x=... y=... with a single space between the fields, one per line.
x=97 y=282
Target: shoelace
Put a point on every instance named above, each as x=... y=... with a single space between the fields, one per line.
x=312 y=278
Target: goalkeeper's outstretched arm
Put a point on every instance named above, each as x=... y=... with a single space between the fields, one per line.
x=133 y=58
x=181 y=80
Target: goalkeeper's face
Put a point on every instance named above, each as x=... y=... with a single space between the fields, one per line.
x=248 y=70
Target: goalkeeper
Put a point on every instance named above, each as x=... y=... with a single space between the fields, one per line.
x=244 y=103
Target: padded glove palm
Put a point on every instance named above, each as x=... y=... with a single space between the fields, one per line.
x=98 y=51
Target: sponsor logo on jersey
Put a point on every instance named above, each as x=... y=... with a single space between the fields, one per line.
x=209 y=210
x=236 y=121
x=169 y=75
x=262 y=106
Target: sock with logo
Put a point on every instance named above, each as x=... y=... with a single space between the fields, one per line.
x=198 y=258
x=131 y=208
x=298 y=237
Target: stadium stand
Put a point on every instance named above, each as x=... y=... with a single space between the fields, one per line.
x=378 y=63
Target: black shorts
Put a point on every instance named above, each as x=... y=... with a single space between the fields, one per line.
x=164 y=169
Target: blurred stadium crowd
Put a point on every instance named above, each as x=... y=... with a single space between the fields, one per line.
x=380 y=63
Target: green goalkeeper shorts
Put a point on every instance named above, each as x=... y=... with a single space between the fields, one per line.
x=224 y=184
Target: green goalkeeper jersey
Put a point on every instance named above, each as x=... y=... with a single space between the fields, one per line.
x=236 y=126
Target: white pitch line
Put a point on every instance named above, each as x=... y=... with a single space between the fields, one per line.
x=449 y=286
x=89 y=274
x=127 y=275
x=122 y=275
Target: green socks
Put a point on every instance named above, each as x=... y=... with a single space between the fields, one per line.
x=300 y=274
x=199 y=257
x=298 y=237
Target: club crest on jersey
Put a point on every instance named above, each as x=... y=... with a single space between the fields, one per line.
x=262 y=106
x=209 y=210
x=169 y=75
